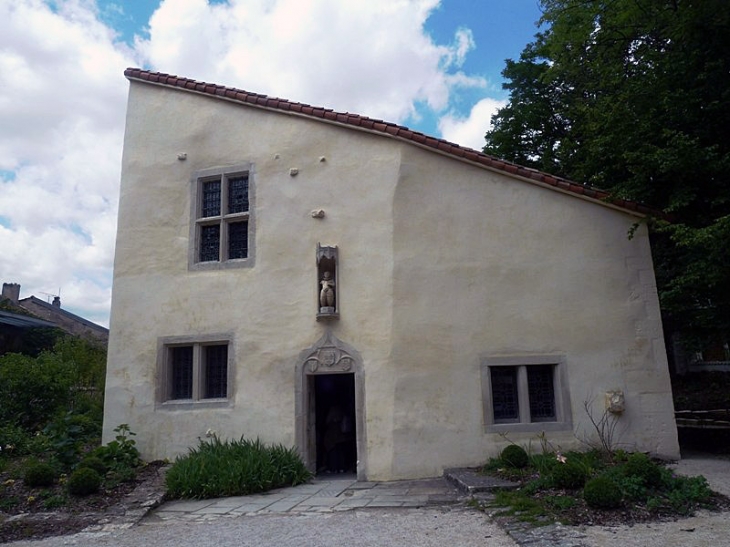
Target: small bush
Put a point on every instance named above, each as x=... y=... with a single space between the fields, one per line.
x=640 y=465
x=54 y=502
x=234 y=468
x=92 y=462
x=602 y=493
x=39 y=474
x=84 y=481
x=569 y=475
x=121 y=452
x=13 y=440
x=514 y=456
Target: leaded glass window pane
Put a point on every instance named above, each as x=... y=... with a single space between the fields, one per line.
x=181 y=372
x=211 y=205
x=216 y=372
x=504 y=394
x=210 y=237
x=237 y=240
x=541 y=393
x=238 y=195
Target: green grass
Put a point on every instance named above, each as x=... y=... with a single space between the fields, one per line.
x=522 y=506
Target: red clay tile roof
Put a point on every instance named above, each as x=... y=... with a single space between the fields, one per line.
x=393 y=130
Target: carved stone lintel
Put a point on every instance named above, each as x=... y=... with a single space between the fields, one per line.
x=329 y=357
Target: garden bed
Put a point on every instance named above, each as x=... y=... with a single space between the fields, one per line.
x=645 y=490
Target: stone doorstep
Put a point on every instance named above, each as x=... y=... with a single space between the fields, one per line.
x=470 y=482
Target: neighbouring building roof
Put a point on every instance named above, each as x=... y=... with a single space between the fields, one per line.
x=57 y=310
x=391 y=130
x=22 y=321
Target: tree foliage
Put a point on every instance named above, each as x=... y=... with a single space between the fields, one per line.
x=633 y=96
x=35 y=390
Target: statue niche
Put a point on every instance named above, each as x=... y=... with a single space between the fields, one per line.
x=327 y=304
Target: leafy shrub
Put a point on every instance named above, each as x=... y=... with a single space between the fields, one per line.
x=633 y=488
x=54 y=502
x=569 y=475
x=92 y=462
x=640 y=465
x=232 y=468
x=84 y=481
x=514 y=456
x=602 y=493
x=120 y=456
x=67 y=435
x=680 y=495
x=33 y=389
x=14 y=441
x=39 y=474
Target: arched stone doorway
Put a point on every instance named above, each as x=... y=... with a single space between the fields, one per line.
x=330 y=377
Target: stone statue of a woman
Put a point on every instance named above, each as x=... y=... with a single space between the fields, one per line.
x=327 y=294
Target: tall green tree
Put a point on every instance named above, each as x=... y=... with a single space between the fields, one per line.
x=633 y=96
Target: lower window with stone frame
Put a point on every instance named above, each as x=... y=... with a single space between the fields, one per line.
x=525 y=393
x=195 y=371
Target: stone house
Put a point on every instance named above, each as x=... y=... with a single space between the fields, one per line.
x=356 y=289
x=52 y=314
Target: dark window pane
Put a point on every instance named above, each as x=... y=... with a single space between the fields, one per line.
x=238 y=195
x=541 y=393
x=216 y=371
x=210 y=237
x=211 y=202
x=182 y=372
x=237 y=240
x=504 y=394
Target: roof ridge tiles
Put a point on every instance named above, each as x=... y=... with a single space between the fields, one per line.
x=393 y=130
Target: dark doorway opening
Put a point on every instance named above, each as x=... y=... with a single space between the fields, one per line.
x=334 y=399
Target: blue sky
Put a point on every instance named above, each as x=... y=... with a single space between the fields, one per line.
x=431 y=65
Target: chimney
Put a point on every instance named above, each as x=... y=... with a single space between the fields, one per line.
x=11 y=291
x=56 y=302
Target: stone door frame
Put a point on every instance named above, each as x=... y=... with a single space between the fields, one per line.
x=329 y=355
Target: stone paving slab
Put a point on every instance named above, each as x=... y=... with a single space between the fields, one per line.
x=469 y=481
x=321 y=495
x=364 y=485
x=187 y=506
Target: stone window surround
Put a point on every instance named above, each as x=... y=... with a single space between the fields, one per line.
x=196 y=192
x=164 y=366
x=563 y=418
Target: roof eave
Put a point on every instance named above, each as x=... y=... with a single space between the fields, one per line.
x=397 y=132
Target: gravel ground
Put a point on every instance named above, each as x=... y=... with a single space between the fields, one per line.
x=703 y=530
x=437 y=527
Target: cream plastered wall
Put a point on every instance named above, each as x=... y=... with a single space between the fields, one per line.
x=269 y=309
x=442 y=265
x=513 y=269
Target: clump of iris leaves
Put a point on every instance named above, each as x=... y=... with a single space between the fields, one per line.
x=217 y=468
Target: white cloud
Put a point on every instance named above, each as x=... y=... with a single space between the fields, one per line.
x=470 y=131
x=62 y=100
x=371 y=57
